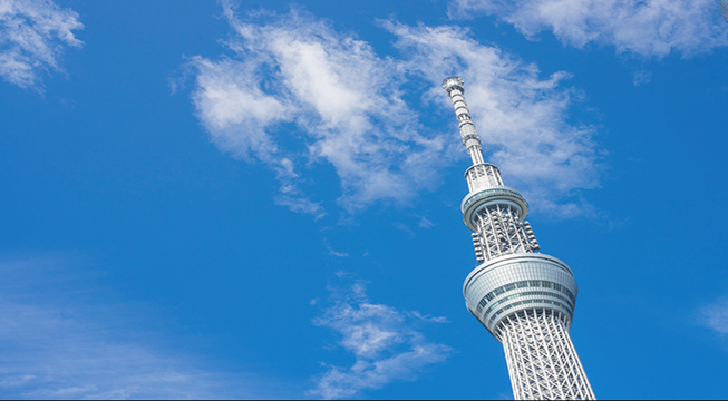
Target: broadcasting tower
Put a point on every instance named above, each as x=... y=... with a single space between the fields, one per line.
x=525 y=299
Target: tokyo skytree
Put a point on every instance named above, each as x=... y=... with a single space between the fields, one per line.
x=525 y=299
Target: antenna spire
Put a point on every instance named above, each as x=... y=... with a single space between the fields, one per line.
x=471 y=140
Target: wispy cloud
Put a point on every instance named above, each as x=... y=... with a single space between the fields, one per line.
x=384 y=341
x=297 y=92
x=425 y=222
x=333 y=87
x=716 y=316
x=652 y=28
x=642 y=77
x=54 y=346
x=32 y=37
x=331 y=251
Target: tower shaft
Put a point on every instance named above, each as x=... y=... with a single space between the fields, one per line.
x=525 y=299
x=542 y=362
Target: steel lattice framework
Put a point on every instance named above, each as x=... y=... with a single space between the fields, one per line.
x=542 y=362
x=525 y=299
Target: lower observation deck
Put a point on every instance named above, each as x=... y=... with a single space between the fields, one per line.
x=517 y=282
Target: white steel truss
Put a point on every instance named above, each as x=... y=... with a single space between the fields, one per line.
x=542 y=362
x=500 y=232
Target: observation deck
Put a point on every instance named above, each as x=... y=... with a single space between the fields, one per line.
x=502 y=195
x=520 y=282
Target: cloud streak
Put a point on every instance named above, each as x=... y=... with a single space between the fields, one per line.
x=716 y=316
x=33 y=34
x=383 y=340
x=652 y=28
x=52 y=347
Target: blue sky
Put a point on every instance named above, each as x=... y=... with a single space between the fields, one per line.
x=246 y=200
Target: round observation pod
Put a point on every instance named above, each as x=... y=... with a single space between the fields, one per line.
x=520 y=283
x=724 y=8
x=498 y=194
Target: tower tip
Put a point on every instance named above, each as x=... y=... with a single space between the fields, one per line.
x=453 y=82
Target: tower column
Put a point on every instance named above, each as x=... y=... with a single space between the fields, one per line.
x=524 y=299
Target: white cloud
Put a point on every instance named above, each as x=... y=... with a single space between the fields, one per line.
x=334 y=88
x=716 y=316
x=425 y=222
x=648 y=28
x=52 y=347
x=32 y=36
x=297 y=92
x=642 y=77
x=383 y=340
x=331 y=251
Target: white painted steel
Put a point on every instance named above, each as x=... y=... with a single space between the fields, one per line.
x=471 y=140
x=525 y=299
x=541 y=359
x=502 y=231
x=483 y=176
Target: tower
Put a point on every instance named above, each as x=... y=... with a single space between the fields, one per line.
x=724 y=8
x=525 y=299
